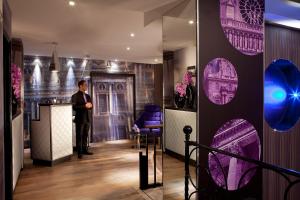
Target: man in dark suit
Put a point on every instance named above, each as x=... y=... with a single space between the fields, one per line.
x=82 y=106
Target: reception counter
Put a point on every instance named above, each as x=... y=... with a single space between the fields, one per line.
x=174 y=137
x=51 y=135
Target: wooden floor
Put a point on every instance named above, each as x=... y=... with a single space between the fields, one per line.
x=173 y=176
x=110 y=174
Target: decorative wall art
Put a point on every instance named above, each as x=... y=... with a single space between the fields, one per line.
x=220 y=81
x=282 y=95
x=230 y=68
x=242 y=22
x=239 y=137
x=43 y=86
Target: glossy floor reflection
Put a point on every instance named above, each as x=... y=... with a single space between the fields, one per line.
x=174 y=178
x=110 y=174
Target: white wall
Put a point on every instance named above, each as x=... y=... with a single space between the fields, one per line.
x=183 y=58
x=17 y=147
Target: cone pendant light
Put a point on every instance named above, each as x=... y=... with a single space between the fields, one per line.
x=54 y=65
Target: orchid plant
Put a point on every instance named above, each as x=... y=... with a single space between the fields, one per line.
x=181 y=87
x=188 y=78
x=16 y=77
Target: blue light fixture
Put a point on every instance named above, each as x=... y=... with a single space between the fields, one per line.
x=295 y=95
x=281 y=95
x=274 y=94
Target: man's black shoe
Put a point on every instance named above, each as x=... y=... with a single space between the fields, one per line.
x=79 y=156
x=87 y=153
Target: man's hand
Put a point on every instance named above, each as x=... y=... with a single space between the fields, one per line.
x=88 y=105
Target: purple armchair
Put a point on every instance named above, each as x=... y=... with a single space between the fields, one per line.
x=151 y=115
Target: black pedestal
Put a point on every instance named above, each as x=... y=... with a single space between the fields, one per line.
x=143 y=171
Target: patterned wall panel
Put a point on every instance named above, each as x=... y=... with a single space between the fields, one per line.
x=17 y=147
x=174 y=137
x=40 y=137
x=44 y=86
x=113 y=111
x=61 y=131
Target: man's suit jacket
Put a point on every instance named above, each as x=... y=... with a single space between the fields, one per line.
x=82 y=114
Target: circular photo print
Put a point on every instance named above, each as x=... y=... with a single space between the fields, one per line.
x=239 y=137
x=220 y=81
x=242 y=23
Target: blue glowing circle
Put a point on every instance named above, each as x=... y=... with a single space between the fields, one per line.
x=274 y=94
x=281 y=96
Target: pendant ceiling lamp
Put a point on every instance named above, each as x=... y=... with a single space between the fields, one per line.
x=54 y=65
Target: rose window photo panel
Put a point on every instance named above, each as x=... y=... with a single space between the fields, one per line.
x=242 y=23
x=220 y=81
x=239 y=137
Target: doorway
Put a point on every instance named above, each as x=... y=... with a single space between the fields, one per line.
x=113 y=97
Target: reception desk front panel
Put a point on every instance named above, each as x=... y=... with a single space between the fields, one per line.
x=51 y=137
x=175 y=120
x=40 y=136
x=61 y=128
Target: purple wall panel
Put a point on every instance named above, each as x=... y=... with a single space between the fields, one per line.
x=231 y=30
x=239 y=137
x=242 y=23
x=220 y=81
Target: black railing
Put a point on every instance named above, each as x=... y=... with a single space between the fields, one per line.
x=291 y=176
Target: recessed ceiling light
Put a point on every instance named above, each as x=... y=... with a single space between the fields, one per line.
x=132 y=35
x=116 y=60
x=128 y=48
x=156 y=60
x=191 y=21
x=72 y=3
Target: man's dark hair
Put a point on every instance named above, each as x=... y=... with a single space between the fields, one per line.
x=81 y=83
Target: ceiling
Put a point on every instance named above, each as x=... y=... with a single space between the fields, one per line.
x=98 y=28
x=177 y=32
x=283 y=12
x=175 y=39
x=101 y=28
